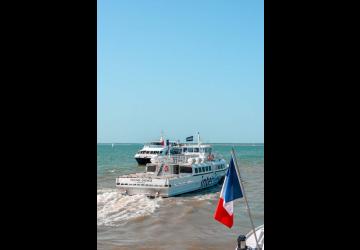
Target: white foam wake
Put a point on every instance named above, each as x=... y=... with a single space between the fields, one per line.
x=114 y=208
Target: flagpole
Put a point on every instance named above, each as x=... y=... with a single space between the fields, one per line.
x=244 y=193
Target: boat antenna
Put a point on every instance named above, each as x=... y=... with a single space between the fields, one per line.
x=243 y=191
x=198 y=139
x=168 y=146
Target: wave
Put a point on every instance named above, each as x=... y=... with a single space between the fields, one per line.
x=113 y=208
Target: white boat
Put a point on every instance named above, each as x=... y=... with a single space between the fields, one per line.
x=248 y=242
x=150 y=150
x=186 y=168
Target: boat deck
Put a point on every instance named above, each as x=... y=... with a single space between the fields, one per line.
x=146 y=175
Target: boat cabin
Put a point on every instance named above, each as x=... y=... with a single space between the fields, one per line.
x=168 y=169
x=196 y=149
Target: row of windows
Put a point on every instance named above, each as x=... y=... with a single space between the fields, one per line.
x=150 y=152
x=222 y=166
x=202 y=169
x=191 y=150
x=196 y=150
x=178 y=151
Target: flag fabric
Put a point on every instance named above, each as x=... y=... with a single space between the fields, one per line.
x=190 y=138
x=231 y=190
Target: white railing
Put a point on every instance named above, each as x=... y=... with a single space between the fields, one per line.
x=172 y=159
x=153 y=146
x=176 y=159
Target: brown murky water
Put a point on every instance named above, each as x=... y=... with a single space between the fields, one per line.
x=182 y=222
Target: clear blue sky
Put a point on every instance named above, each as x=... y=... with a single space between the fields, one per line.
x=180 y=66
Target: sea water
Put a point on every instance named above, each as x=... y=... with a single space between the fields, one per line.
x=181 y=222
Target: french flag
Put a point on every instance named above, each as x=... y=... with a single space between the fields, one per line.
x=231 y=190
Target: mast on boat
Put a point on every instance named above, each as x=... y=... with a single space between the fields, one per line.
x=244 y=193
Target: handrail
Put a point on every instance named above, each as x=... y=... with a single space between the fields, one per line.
x=153 y=146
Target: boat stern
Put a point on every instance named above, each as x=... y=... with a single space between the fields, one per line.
x=148 y=186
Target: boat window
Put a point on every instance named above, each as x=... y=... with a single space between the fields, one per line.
x=185 y=150
x=186 y=170
x=203 y=169
x=175 y=169
x=209 y=168
x=175 y=151
x=151 y=168
x=160 y=152
x=190 y=150
x=196 y=170
x=196 y=150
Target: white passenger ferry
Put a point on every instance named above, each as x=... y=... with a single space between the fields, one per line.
x=152 y=149
x=186 y=168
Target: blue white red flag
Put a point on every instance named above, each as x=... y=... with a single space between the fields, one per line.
x=231 y=190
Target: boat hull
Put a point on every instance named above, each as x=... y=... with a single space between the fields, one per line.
x=250 y=238
x=168 y=187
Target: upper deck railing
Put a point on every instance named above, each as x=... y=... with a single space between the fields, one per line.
x=182 y=158
x=149 y=145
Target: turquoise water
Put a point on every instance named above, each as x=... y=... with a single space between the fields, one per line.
x=123 y=220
